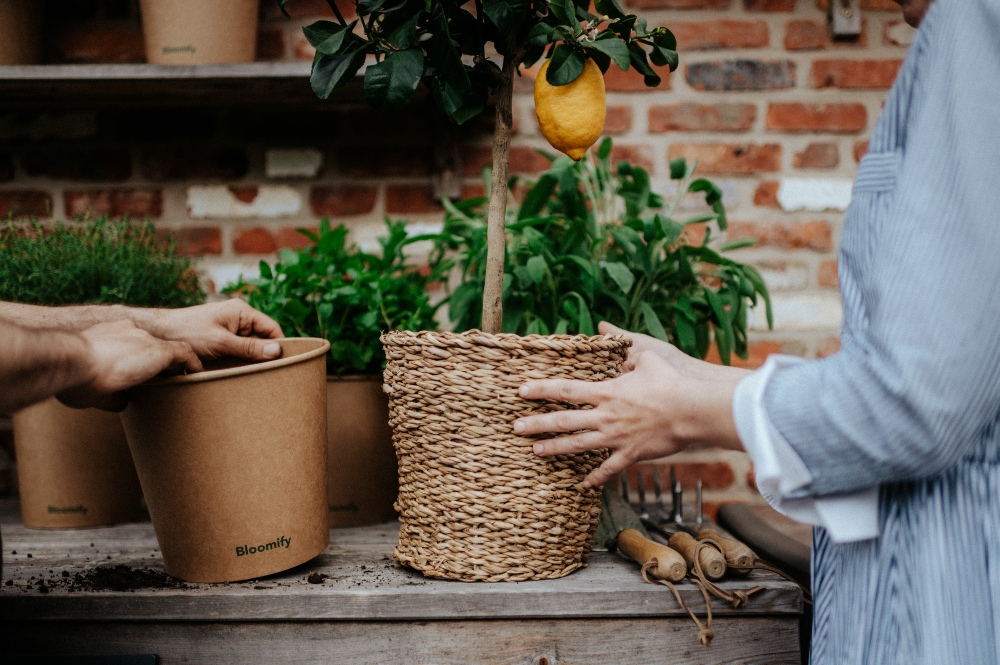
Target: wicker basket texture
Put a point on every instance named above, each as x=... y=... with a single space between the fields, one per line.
x=475 y=503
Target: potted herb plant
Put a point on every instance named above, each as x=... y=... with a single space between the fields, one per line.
x=475 y=503
x=333 y=290
x=73 y=466
x=194 y=32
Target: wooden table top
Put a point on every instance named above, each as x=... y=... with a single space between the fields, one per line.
x=362 y=583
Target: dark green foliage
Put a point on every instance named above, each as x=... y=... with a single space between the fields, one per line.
x=96 y=262
x=335 y=291
x=414 y=40
x=590 y=244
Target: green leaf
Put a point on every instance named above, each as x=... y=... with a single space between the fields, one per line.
x=541 y=34
x=537 y=268
x=637 y=56
x=613 y=47
x=405 y=34
x=464 y=296
x=738 y=243
x=652 y=322
x=330 y=72
x=328 y=37
x=366 y=7
x=537 y=197
x=506 y=14
x=584 y=319
x=389 y=85
x=565 y=12
x=604 y=148
x=610 y=8
x=713 y=197
x=565 y=66
x=663 y=57
x=678 y=168
x=620 y=273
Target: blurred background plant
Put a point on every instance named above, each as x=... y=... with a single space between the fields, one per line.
x=95 y=261
x=332 y=289
x=592 y=243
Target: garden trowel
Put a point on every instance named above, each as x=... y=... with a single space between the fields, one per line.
x=616 y=516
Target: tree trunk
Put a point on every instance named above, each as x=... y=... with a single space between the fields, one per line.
x=496 y=239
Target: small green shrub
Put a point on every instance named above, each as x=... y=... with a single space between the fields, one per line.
x=100 y=261
x=337 y=292
x=589 y=243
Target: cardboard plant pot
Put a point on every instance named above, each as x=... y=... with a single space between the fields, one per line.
x=475 y=503
x=196 y=32
x=362 y=483
x=73 y=467
x=232 y=462
x=21 y=31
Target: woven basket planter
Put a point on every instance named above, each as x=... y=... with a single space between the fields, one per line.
x=475 y=503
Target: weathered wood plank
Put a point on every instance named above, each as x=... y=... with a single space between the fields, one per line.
x=751 y=641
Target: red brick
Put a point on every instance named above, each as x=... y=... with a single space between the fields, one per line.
x=615 y=80
x=618 y=120
x=769 y=5
x=766 y=195
x=828 y=278
x=797 y=117
x=89 y=165
x=299 y=9
x=255 y=241
x=638 y=155
x=290 y=238
x=860 y=150
x=527 y=160
x=757 y=353
x=691 y=117
x=741 y=75
x=411 y=199
x=817 y=156
x=814 y=235
x=101 y=45
x=858 y=74
x=730 y=158
x=25 y=203
x=713 y=475
x=342 y=201
x=705 y=35
x=194 y=164
x=827 y=347
x=679 y=4
x=141 y=203
x=806 y=35
x=198 y=240
x=270 y=44
x=247 y=194
x=877 y=5
x=382 y=162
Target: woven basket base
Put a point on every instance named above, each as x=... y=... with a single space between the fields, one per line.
x=475 y=502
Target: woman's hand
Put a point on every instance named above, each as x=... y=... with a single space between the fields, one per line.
x=662 y=404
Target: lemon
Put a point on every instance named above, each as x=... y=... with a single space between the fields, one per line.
x=571 y=116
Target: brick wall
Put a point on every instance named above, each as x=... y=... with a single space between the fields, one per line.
x=774 y=110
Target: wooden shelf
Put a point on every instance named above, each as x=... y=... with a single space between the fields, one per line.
x=279 y=83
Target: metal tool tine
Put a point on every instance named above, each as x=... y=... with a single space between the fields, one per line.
x=673 y=476
x=623 y=481
x=641 y=489
x=697 y=505
x=657 y=490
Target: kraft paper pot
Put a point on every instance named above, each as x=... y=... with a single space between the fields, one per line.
x=21 y=32
x=233 y=464
x=475 y=503
x=362 y=483
x=73 y=468
x=196 y=32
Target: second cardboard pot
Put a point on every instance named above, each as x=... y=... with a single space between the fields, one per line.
x=73 y=467
x=196 y=32
x=363 y=477
x=233 y=464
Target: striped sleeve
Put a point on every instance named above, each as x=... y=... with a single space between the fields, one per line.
x=919 y=386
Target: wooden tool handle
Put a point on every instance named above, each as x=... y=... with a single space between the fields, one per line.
x=713 y=563
x=739 y=557
x=667 y=564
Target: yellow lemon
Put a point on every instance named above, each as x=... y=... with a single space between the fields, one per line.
x=571 y=116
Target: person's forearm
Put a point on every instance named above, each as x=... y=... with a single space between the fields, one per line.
x=40 y=363
x=75 y=318
x=707 y=412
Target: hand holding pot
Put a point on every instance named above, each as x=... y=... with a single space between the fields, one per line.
x=228 y=328
x=120 y=356
x=662 y=404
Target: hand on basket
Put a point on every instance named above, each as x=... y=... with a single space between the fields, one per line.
x=654 y=409
x=228 y=328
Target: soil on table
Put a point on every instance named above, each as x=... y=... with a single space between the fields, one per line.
x=108 y=578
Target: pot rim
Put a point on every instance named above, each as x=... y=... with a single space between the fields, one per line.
x=252 y=368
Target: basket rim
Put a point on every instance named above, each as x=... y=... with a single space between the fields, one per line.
x=477 y=337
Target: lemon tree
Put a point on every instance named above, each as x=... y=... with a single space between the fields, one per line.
x=467 y=53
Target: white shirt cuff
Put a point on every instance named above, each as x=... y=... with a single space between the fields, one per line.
x=780 y=471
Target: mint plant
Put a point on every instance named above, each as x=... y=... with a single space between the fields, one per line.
x=592 y=242
x=333 y=290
